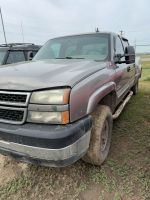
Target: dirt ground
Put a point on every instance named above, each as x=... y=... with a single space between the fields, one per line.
x=124 y=175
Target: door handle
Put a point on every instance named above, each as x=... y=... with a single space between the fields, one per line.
x=128 y=68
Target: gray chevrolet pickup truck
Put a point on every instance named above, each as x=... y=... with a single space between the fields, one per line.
x=60 y=106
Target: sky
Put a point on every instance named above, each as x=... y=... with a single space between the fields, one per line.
x=37 y=21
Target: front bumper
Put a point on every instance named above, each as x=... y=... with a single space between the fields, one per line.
x=56 y=146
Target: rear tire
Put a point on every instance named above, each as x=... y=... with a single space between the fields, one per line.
x=134 y=89
x=100 y=136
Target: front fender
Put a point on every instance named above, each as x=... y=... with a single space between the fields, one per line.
x=98 y=95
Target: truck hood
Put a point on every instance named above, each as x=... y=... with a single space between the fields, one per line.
x=33 y=75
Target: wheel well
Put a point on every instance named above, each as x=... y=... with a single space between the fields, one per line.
x=109 y=100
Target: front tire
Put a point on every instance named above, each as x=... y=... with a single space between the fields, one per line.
x=100 y=136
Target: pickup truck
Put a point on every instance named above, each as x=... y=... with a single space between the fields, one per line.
x=60 y=106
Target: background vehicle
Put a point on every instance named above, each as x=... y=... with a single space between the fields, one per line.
x=16 y=52
x=60 y=106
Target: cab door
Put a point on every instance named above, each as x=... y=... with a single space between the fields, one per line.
x=131 y=67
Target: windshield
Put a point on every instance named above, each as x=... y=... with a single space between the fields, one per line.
x=2 y=55
x=91 y=47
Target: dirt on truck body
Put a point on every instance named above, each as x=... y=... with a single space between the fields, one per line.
x=60 y=106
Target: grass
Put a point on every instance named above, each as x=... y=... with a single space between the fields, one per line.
x=13 y=186
x=145 y=64
x=145 y=74
x=144 y=81
x=117 y=198
x=98 y=175
x=144 y=55
x=124 y=175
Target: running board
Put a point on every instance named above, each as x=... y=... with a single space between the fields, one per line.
x=117 y=113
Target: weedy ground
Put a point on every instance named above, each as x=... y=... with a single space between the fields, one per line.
x=124 y=175
x=144 y=56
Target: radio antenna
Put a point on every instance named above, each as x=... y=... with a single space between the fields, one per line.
x=3 y=26
x=22 y=32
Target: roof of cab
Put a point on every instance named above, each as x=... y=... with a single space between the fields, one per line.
x=86 y=34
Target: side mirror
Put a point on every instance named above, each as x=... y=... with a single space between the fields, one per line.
x=30 y=55
x=118 y=57
x=130 y=54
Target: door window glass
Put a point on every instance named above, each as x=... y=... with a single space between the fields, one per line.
x=125 y=43
x=15 y=56
x=119 y=48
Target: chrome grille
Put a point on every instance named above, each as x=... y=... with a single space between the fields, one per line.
x=14 y=98
x=11 y=115
x=13 y=107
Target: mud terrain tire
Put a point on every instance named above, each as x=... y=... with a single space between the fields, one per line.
x=102 y=127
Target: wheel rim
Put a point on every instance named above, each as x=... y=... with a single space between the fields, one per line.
x=104 y=135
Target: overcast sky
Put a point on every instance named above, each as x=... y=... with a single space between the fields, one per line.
x=44 y=19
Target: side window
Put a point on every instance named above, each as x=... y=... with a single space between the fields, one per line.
x=119 y=48
x=15 y=56
x=56 y=49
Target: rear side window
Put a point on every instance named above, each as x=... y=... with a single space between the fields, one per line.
x=15 y=56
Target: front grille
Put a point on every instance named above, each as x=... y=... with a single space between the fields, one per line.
x=14 y=98
x=11 y=115
x=13 y=106
x=4 y=97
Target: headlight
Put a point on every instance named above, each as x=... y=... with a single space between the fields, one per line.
x=48 y=117
x=57 y=96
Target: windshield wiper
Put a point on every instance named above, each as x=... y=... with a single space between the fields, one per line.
x=69 y=57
